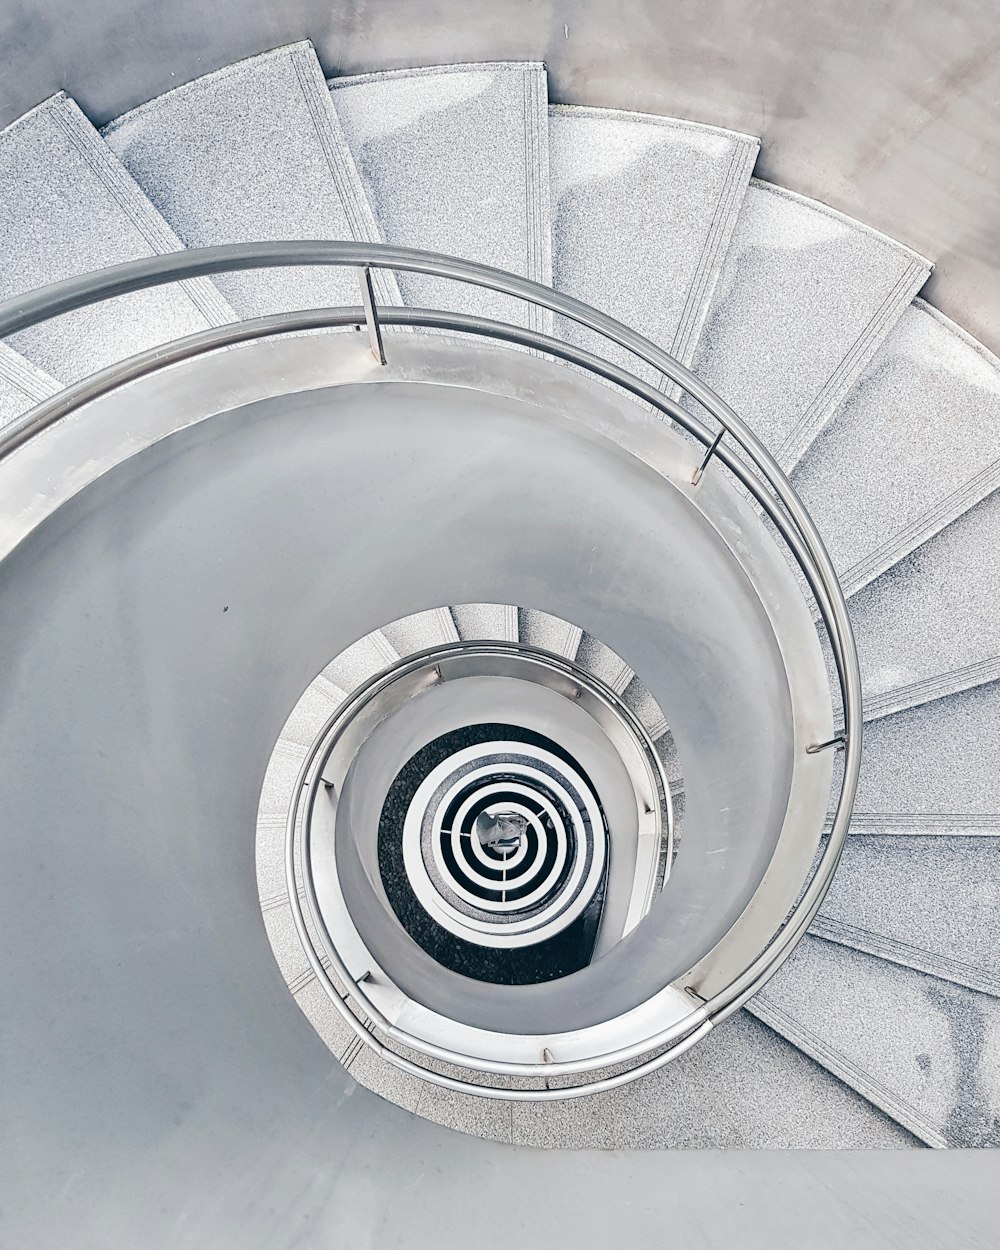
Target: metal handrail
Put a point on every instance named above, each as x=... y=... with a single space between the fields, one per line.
x=779 y=500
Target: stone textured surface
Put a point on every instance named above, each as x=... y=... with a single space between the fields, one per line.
x=928 y=625
x=930 y=903
x=22 y=385
x=599 y=659
x=254 y=152
x=936 y=762
x=421 y=630
x=361 y=660
x=310 y=714
x=918 y=442
x=642 y=212
x=924 y=1050
x=805 y=298
x=741 y=1087
x=647 y=710
x=69 y=207
x=494 y=621
x=549 y=633
x=455 y=160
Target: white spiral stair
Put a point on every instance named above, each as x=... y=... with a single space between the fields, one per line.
x=883 y=1028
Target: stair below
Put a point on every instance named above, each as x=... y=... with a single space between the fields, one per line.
x=805 y=299
x=69 y=208
x=455 y=160
x=924 y=1050
x=932 y=904
x=642 y=213
x=254 y=152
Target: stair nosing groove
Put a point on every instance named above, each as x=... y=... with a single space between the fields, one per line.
x=538 y=208
x=128 y=195
x=712 y=258
x=446 y=623
x=930 y=689
x=921 y=528
x=339 y=160
x=419 y=71
x=894 y=950
x=854 y=362
x=942 y=824
x=837 y=1063
x=34 y=383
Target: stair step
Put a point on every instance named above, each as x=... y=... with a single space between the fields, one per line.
x=647 y=710
x=604 y=663
x=936 y=761
x=361 y=661
x=496 y=622
x=254 y=152
x=918 y=441
x=930 y=903
x=742 y=1087
x=548 y=633
x=455 y=160
x=924 y=1050
x=642 y=213
x=954 y=577
x=68 y=208
x=22 y=385
x=805 y=299
x=432 y=628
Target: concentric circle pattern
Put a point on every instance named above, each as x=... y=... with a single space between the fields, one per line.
x=493 y=850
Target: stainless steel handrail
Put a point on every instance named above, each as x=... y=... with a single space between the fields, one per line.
x=779 y=500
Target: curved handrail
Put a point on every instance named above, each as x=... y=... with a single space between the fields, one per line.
x=792 y=520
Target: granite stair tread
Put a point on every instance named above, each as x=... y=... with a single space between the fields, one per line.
x=432 y=628
x=935 y=763
x=494 y=621
x=805 y=298
x=918 y=441
x=549 y=633
x=69 y=207
x=255 y=152
x=925 y=1050
x=906 y=656
x=455 y=160
x=742 y=1087
x=643 y=209
x=930 y=903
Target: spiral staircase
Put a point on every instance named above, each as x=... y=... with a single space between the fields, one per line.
x=270 y=567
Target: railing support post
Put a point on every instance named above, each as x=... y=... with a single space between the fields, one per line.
x=839 y=741
x=371 y=315
x=708 y=456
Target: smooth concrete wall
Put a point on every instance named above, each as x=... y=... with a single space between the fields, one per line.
x=888 y=111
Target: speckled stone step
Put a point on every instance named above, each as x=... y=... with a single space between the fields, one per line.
x=22 y=385
x=550 y=633
x=433 y=628
x=927 y=627
x=934 y=766
x=455 y=160
x=253 y=152
x=68 y=208
x=924 y=1050
x=496 y=621
x=742 y=1087
x=805 y=299
x=914 y=447
x=930 y=903
x=642 y=213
